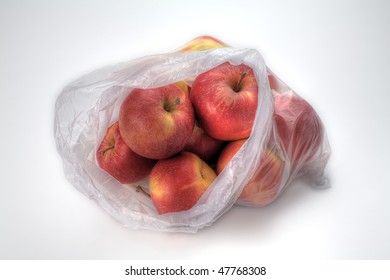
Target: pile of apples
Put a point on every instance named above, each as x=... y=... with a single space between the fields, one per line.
x=183 y=137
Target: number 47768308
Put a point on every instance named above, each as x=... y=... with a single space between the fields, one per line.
x=242 y=270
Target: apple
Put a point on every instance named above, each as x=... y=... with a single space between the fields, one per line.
x=116 y=158
x=177 y=183
x=202 y=43
x=183 y=86
x=225 y=101
x=300 y=129
x=227 y=154
x=157 y=123
x=203 y=145
x=264 y=186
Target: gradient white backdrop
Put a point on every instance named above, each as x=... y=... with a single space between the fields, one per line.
x=333 y=53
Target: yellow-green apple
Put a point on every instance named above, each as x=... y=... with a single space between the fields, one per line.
x=158 y=122
x=264 y=186
x=177 y=183
x=116 y=158
x=299 y=127
x=225 y=101
x=203 y=145
x=202 y=43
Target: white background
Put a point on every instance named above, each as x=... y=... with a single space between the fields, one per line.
x=334 y=53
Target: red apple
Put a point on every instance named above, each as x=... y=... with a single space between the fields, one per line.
x=299 y=127
x=227 y=154
x=202 y=43
x=115 y=157
x=264 y=186
x=158 y=122
x=225 y=101
x=203 y=145
x=177 y=183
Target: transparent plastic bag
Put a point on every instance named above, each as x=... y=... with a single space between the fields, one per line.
x=300 y=143
x=306 y=143
x=298 y=147
x=88 y=106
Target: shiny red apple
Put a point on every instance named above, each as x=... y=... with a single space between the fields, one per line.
x=158 y=122
x=177 y=183
x=225 y=101
x=264 y=186
x=117 y=159
x=202 y=144
x=300 y=129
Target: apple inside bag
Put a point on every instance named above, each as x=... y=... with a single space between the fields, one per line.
x=165 y=164
x=87 y=107
x=298 y=146
x=301 y=133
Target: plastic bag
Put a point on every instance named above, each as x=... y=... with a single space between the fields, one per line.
x=298 y=148
x=299 y=140
x=88 y=106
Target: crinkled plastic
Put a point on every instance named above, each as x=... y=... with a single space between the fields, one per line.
x=88 y=106
x=299 y=139
x=307 y=146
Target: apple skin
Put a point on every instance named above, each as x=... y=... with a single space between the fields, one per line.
x=203 y=145
x=227 y=154
x=116 y=158
x=177 y=183
x=202 y=43
x=299 y=127
x=264 y=186
x=225 y=101
x=157 y=123
x=183 y=86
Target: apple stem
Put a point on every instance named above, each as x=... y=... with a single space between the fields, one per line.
x=140 y=189
x=238 y=86
x=104 y=151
